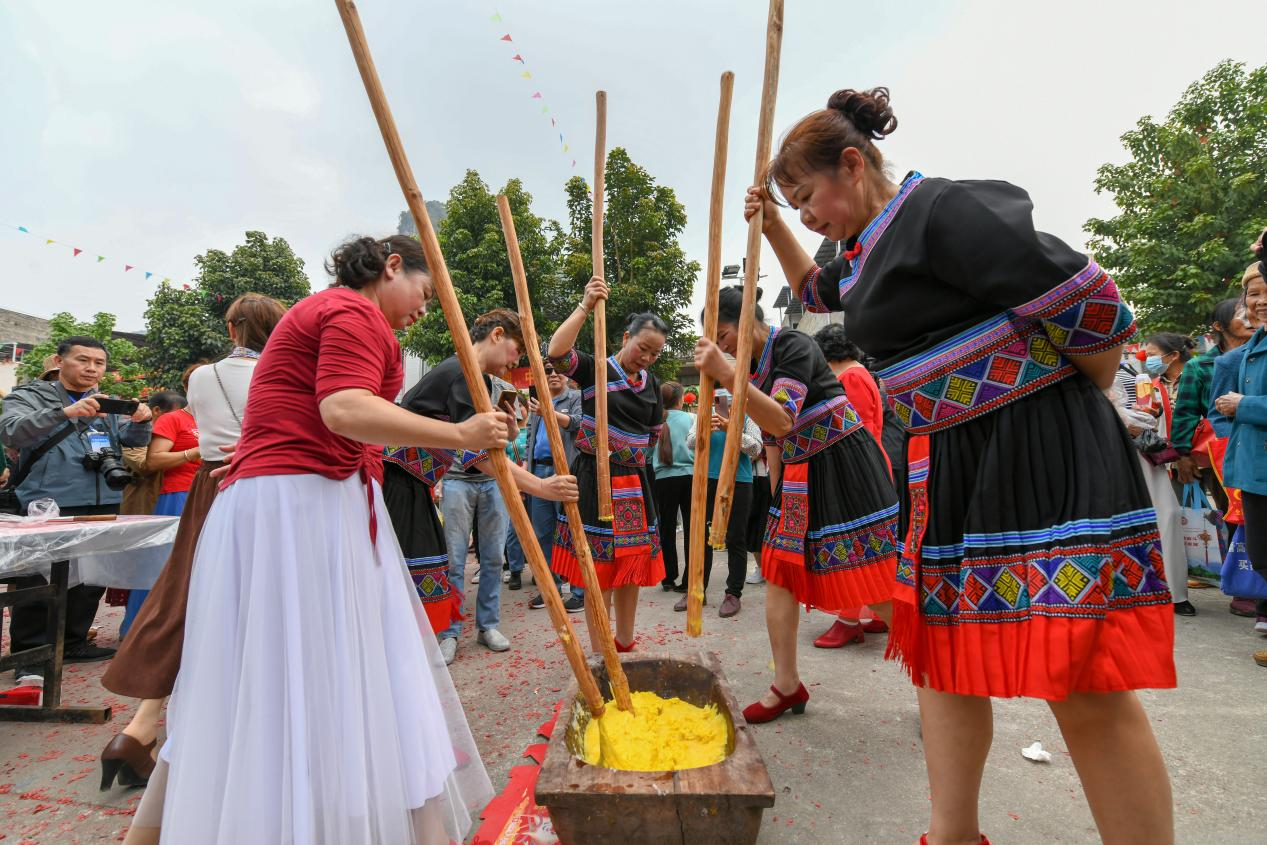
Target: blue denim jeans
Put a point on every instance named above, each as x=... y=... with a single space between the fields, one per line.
x=545 y=516
x=465 y=504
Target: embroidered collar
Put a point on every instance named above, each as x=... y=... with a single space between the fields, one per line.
x=856 y=250
x=766 y=360
x=622 y=378
x=243 y=352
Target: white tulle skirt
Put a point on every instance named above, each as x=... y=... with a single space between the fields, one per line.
x=312 y=706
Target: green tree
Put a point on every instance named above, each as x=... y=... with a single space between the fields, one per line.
x=644 y=264
x=1191 y=200
x=471 y=237
x=123 y=377
x=186 y=324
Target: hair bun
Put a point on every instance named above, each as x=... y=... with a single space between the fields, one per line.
x=358 y=262
x=869 y=111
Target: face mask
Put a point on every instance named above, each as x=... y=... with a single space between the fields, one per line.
x=1155 y=365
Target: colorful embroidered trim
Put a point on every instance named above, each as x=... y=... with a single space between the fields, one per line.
x=604 y=541
x=1009 y=356
x=789 y=393
x=625 y=449
x=629 y=516
x=426 y=465
x=430 y=576
x=818 y=428
x=866 y=242
x=620 y=382
x=766 y=360
x=837 y=548
x=1084 y=315
x=566 y=364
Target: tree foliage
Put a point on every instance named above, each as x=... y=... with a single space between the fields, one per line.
x=1191 y=200
x=644 y=264
x=124 y=376
x=474 y=248
x=186 y=324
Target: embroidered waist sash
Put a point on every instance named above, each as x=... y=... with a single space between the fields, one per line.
x=426 y=465
x=626 y=449
x=629 y=517
x=817 y=428
x=1009 y=356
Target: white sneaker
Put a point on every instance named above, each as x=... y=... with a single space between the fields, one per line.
x=755 y=577
x=494 y=640
x=1260 y=627
x=505 y=576
x=449 y=649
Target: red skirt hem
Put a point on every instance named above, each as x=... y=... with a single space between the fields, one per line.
x=871 y=583
x=441 y=614
x=1045 y=657
x=639 y=570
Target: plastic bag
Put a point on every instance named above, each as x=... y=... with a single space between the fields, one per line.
x=1204 y=536
x=37 y=513
x=1239 y=578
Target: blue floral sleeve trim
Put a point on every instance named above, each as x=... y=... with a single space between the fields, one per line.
x=789 y=393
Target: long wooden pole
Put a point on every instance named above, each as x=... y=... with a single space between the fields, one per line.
x=465 y=351
x=599 y=619
x=703 y=420
x=602 y=455
x=752 y=266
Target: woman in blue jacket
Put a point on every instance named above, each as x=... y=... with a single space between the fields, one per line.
x=1245 y=465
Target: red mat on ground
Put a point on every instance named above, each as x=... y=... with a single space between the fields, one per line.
x=514 y=817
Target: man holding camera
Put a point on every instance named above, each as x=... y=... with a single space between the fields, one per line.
x=69 y=451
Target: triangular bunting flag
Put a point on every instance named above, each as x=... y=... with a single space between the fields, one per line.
x=518 y=58
x=186 y=287
x=100 y=258
x=560 y=137
x=565 y=148
x=24 y=229
x=526 y=75
x=77 y=250
x=552 y=121
x=546 y=110
x=507 y=37
x=574 y=162
x=127 y=267
x=496 y=18
x=148 y=274
x=49 y=241
x=536 y=96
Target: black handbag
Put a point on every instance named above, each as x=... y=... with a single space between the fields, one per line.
x=9 y=501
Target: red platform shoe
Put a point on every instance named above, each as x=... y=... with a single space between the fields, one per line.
x=757 y=713
x=840 y=635
x=875 y=626
x=923 y=840
x=621 y=648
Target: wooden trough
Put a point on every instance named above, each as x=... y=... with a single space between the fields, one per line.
x=718 y=803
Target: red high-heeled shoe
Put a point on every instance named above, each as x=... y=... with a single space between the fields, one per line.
x=840 y=635
x=923 y=840
x=757 y=713
x=621 y=648
x=875 y=626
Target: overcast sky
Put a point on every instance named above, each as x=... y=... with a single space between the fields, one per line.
x=150 y=131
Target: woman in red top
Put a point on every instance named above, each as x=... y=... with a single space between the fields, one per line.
x=845 y=359
x=312 y=704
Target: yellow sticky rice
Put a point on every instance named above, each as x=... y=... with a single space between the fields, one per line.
x=662 y=734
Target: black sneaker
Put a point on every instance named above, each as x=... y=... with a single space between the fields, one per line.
x=86 y=653
x=516 y=581
x=574 y=604
x=538 y=602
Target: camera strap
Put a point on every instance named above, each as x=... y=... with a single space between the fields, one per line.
x=43 y=449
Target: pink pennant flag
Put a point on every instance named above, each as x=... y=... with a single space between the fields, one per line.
x=574 y=162
x=536 y=96
x=507 y=37
x=186 y=287
x=518 y=58
x=77 y=250
x=127 y=267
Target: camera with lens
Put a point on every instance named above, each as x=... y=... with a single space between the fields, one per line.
x=110 y=464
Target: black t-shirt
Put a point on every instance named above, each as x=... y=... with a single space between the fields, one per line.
x=442 y=394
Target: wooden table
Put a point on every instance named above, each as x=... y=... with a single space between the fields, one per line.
x=128 y=551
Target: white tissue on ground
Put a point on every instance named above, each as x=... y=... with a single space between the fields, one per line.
x=1036 y=753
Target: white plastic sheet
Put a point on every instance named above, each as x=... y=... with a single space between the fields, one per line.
x=128 y=552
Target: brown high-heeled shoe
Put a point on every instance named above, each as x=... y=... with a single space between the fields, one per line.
x=129 y=760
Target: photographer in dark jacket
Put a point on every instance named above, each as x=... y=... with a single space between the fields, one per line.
x=70 y=452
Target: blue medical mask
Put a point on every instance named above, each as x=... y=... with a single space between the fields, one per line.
x=1155 y=365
